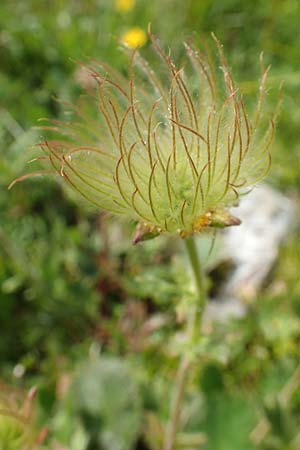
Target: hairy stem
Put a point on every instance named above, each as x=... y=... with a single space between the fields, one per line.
x=193 y=330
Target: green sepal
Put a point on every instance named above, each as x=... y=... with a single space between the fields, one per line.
x=145 y=232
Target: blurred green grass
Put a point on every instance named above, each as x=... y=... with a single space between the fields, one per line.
x=69 y=278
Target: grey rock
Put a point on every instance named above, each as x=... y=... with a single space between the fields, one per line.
x=251 y=248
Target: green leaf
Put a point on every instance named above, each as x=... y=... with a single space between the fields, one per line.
x=108 y=401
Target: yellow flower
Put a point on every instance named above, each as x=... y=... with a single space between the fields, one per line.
x=171 y=148
x=134 y=38
x=124 y=5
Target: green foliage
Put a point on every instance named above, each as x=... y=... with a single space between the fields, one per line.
x=225 y=415
x=108 y=403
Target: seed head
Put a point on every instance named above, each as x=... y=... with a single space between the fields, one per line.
x=16 y=420
x=171 y=147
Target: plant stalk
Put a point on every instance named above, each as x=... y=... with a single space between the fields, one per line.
x=193 y=331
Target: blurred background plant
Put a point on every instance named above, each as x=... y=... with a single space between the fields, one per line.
x=77 y=300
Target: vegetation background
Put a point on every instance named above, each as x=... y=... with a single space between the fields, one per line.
x=79 y=315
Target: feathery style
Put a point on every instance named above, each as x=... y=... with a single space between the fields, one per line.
x=171 y=148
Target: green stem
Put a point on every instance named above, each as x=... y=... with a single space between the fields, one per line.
x=193 y=331
x=199 y=278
